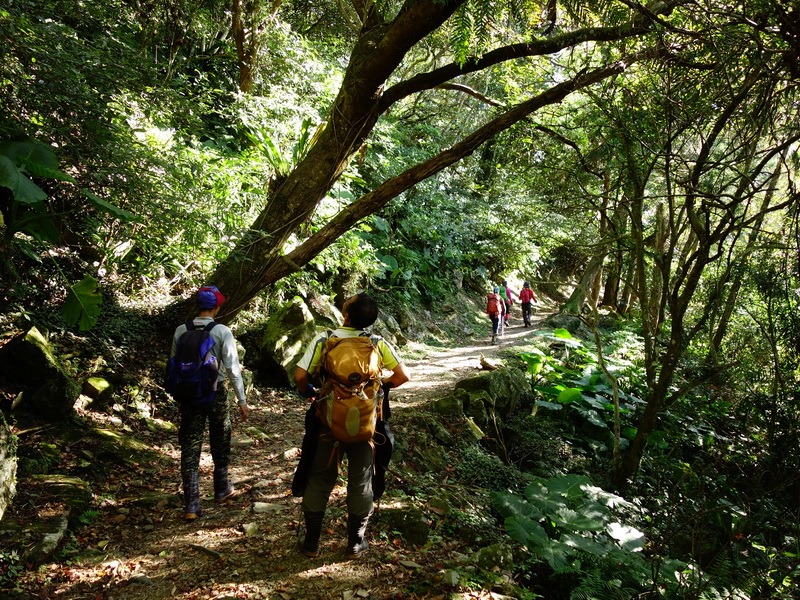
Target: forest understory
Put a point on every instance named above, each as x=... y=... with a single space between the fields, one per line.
x=134 y=545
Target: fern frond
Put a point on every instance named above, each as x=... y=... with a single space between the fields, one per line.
x=462 y=33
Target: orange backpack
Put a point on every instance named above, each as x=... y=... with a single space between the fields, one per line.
x=492 y=305
x=350 y=400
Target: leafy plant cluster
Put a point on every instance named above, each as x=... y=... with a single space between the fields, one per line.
x=581 y=530
x=697 y=499
x=568 y=376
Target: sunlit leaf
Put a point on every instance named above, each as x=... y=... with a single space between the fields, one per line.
x=570 y=395
x=107 y=207
x=83 y=304
x=629 y=538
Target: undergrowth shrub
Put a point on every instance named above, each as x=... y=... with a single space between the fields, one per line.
x=480 y=468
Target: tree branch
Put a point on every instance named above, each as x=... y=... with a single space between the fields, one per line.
x=435 y=78
x=390 y=189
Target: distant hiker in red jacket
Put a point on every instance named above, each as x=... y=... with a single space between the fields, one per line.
x=525 y=298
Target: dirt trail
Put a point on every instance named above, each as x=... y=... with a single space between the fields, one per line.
x=246 y=546
x=432 y=374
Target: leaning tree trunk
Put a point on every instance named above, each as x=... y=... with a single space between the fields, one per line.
x=258 y=260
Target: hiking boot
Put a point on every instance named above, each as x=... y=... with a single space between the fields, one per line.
x=222 y=487
x=191 y=497
x=356 y=542
x=494 y=338
x=310 y=545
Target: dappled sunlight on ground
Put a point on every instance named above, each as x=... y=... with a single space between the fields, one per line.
x=247 y=545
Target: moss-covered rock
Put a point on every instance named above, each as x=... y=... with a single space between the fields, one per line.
x=286 y=334
x=49 y=391
x=409 y=522
x=451 y=406
x=503 y=390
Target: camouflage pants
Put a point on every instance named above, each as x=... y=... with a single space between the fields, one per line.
x=192 y=429
x=325 y=470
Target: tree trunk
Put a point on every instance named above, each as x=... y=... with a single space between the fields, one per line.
x=258 y=261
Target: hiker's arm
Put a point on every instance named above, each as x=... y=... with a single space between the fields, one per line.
x=230 y=358
x=302 y=381
x=398 y=377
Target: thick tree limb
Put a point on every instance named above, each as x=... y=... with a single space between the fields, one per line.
x=435 y=78
x=380 y=196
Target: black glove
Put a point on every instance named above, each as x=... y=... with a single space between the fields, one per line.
x=386 y=409
x=309 y=392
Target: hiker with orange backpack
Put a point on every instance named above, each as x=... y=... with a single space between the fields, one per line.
x=495 y=308
x=340 y=371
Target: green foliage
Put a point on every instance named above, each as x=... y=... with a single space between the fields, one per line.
x=83 y=304
x=10 y=567
x=478 y=467
x=24 y=210
x=567 y=375
x=576 y=528
x=89 y=516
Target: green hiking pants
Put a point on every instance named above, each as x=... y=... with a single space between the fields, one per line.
x=192 y=429
x=325 y=470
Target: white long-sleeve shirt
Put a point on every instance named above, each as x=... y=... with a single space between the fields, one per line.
x=225 y=351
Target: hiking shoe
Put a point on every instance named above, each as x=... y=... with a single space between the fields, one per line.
x=225 y=494
x=192 y=516
x=313 y=522
x=357 y=549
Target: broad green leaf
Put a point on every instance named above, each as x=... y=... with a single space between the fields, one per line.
x=390 y=262
x=591 y=416
x=381 y=224
x=571 y=486
x=527 y=532
x=556 y=553
x=509 y=505
x=585 y=544
x=535 y=362
x=549 y=390
x=562 y=333
x=550 y=405
x=545 y=501
x=570 y=395
x=38 y=170
x=586 y=519
x=83 y=304
x=30 y=152
x=41 y=227
x=628 y=538
x=27 y=192
x=9 y=174
x=107 y=207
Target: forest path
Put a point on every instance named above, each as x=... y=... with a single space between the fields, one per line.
x=438 y=369
x=246 y=546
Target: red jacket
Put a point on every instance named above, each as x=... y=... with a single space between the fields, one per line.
x=526 y=295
